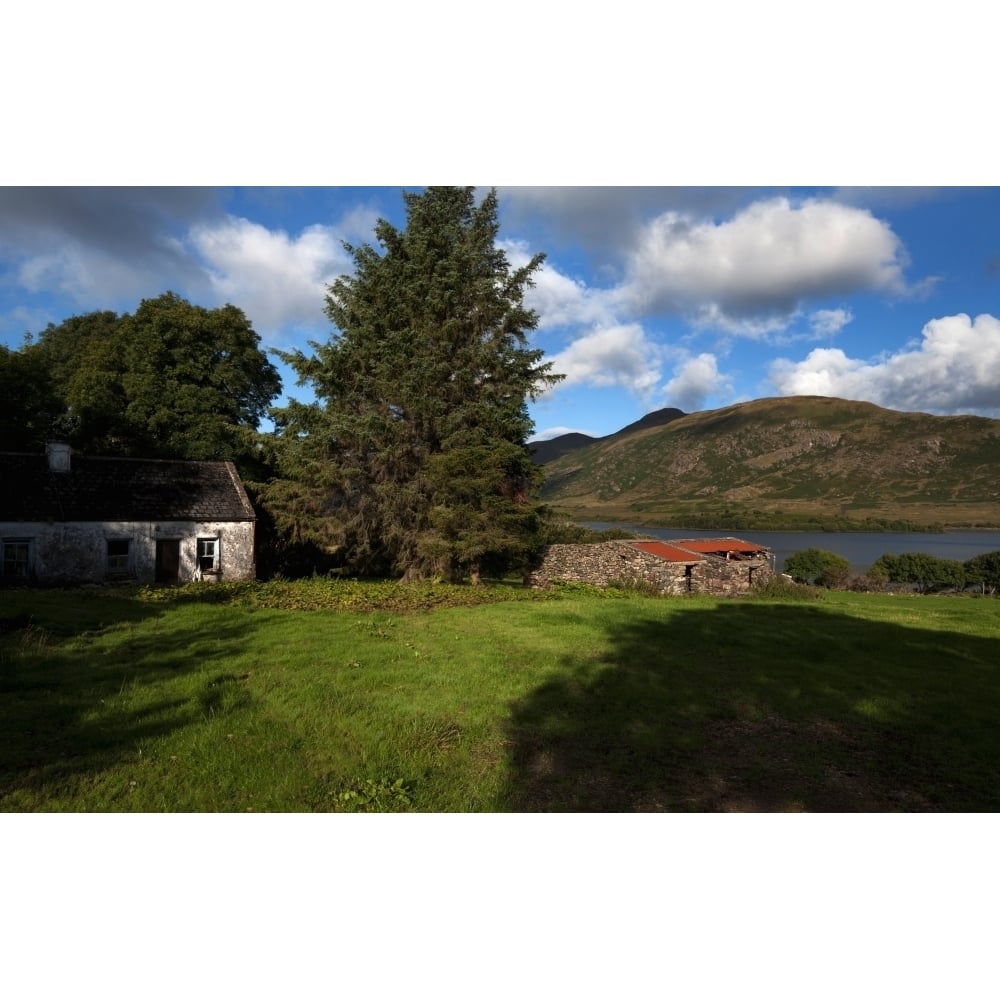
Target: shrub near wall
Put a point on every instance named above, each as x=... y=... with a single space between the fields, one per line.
x=825 y=569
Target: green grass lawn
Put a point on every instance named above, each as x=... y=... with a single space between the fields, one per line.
x=340 y=696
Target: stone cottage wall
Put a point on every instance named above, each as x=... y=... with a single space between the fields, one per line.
x=733 y=577
x=603 y=564
x=77 y=552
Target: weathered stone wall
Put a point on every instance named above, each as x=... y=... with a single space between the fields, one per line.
x=77 y=552
x=733 y=577
x=605 y=563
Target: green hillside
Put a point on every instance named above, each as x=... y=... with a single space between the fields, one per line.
x=793 y=462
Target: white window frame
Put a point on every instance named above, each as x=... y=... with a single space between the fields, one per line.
x=118 y=564
x=28 y=544
x=207 y=548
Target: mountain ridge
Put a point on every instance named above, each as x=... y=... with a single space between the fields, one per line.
x=553 y=448
x=793 y=461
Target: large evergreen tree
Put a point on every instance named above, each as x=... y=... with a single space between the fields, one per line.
x=415 y=447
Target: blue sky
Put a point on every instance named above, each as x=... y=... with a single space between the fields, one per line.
x=694 y=297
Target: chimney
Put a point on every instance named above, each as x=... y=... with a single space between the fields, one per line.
x=58 y=456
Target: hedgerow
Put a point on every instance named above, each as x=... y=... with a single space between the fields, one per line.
x=332 y=594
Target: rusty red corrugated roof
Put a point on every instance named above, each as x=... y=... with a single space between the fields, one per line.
x=689 y=550
x=711 y=545
x=669 y=552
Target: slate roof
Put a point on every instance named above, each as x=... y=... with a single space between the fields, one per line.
x=120 y=489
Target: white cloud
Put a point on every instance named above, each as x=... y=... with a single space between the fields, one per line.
x=276 y=279
x=604 y=220
x=560 y=300
x=612 y=356
x=101 y=248
x=827 y=371
x=712 y=316
x=829 y=322
x=696 y=379
x=955 y=368
x=358 y=224
x=89 y=277
x=109 y=247
x=749 y=274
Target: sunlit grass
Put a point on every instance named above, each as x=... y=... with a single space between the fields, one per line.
x=347 y=696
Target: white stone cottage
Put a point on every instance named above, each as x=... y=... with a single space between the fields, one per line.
x=68 y=519
x=719 y=566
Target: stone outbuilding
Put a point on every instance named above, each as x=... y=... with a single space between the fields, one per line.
x=68 y=519
x=719 y=566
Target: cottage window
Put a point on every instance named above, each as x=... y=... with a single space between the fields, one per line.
x=16 y=558
x=118 y=556
x=208 y=555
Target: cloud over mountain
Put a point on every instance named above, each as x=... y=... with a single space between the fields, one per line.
x=696 y=380
x=751 y=272
x=612 y=356
x=955 y=368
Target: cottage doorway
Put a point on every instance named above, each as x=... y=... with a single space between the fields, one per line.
x=168 y=560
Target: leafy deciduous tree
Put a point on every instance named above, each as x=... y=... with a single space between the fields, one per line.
x=195 y=379
x=172 y=380
x=926 y=572
x=984 y=571
x=29 y=407
x=825 y=569
x=83 y=355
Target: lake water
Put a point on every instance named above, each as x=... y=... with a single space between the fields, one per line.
x=859 y=548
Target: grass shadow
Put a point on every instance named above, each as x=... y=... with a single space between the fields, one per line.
x=80 y=685
x=68 y=611
x=762 y=707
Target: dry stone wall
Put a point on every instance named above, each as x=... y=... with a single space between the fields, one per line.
x=603 y=564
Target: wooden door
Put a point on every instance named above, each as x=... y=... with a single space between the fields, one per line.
x=168 y=560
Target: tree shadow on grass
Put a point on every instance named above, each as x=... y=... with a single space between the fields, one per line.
x=762 y=707
x=68 y=611
x=73 y=705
